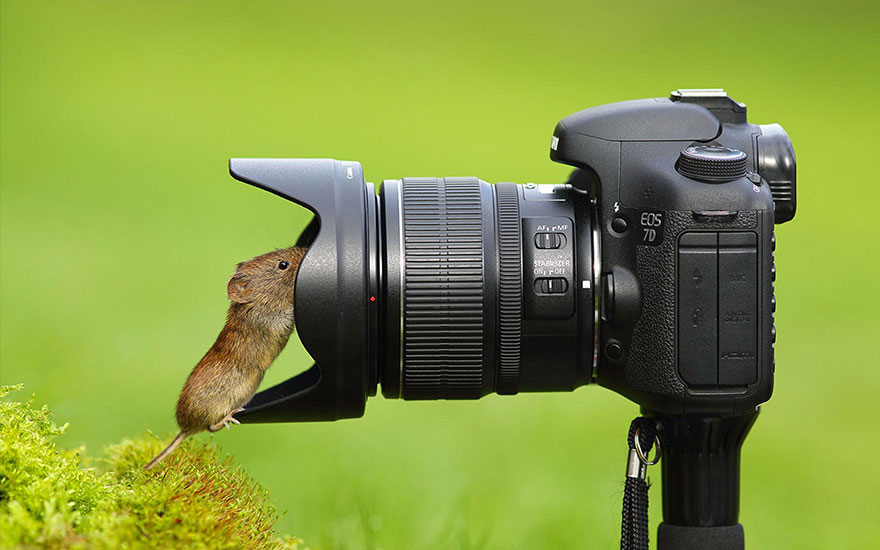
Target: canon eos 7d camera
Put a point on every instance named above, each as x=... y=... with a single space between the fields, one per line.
x=650 y=272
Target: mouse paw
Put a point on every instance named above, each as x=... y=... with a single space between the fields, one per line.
x=225 y=422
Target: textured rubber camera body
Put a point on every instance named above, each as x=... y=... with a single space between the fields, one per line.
x=687 y=193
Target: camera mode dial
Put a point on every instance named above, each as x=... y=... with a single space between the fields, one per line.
x=712 y=163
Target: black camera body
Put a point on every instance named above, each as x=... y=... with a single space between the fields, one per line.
x=650 y=272
x=688 y=192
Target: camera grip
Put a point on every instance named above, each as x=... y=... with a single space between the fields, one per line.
x=652 y=366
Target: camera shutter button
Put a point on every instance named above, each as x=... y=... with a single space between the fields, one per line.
x=712 y=164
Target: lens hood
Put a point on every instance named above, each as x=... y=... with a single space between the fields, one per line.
x=335 y=317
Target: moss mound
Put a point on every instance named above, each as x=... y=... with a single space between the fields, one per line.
x=194 y=499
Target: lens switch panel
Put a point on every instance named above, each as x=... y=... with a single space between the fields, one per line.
x=548 y=266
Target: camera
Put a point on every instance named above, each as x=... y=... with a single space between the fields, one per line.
x=649 y=272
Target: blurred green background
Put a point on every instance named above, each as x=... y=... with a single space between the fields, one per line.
x=119 y=227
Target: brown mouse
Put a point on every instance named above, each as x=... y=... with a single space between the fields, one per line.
x=258 y=325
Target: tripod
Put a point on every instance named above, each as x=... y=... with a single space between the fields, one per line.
x=700 y=472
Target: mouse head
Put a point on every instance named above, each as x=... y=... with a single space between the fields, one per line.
x=267 y=281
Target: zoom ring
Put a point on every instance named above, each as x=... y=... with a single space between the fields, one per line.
x=510 y=291
x=443 y=289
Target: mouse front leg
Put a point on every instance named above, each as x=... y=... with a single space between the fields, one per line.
x=225 y=422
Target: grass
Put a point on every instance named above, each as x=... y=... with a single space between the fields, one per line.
x=50 y=498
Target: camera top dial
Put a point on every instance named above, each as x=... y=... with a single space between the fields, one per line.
x=712 y=163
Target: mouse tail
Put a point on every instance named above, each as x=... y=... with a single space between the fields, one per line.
x=168 y=450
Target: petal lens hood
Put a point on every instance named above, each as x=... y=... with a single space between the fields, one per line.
x=335 y=316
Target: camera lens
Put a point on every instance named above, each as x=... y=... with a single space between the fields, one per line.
x=479 y=289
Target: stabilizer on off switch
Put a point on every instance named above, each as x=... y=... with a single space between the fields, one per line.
x=553 y=285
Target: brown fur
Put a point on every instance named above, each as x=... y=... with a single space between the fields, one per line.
x=258 y=325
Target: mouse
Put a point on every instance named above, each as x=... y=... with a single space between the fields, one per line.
x=258 y=325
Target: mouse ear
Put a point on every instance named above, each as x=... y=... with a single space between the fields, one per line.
x=238 y=289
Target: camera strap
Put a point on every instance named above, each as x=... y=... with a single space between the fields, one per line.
x=634 y=522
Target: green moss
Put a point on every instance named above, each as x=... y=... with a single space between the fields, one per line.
x=194 y=499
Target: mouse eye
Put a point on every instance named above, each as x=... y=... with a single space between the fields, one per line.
x=283 y=264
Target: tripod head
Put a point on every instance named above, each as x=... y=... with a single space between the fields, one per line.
x=700 y=478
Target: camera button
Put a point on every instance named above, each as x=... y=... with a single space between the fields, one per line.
x=613 y=351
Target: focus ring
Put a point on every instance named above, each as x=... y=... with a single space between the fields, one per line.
x=443 y=289
x=510 y=291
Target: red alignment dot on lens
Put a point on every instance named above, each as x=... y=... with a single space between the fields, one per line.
x=372 y=298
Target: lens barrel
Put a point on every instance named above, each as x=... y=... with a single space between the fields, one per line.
x=454 y=284
x=436 y=288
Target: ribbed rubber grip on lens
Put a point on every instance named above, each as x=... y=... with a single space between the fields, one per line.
x=443 y=288
x=510 y=291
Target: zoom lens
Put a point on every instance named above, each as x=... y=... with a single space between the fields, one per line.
x=483 y=289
